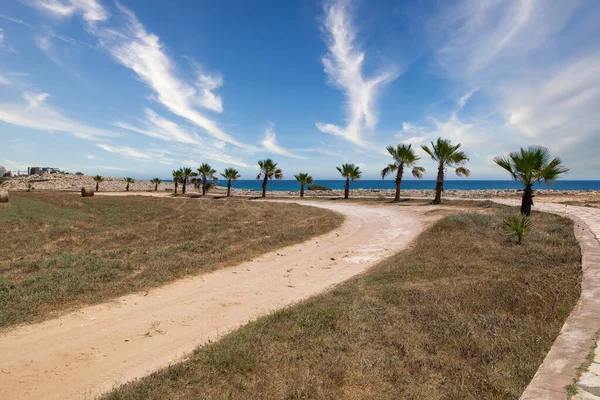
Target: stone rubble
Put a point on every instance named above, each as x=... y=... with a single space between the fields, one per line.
x=59 y=182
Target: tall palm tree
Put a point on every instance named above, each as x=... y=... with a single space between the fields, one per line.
x=446 y=155
x=268 y=170
x=207 y=173
x=231 y=174
x=98 y=179
x=404 y=157
x=351 y=172
x=177 y=177
x=129 y=181
x=187 y=172
x=156 y=182
x=530 y=166
x=303 y=179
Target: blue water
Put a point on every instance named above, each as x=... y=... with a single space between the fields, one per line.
x=465 y=184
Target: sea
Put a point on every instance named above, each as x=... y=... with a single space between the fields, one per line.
x=466 y=184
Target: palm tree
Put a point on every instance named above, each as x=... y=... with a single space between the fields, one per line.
x=530 y=166
x=268 y=170
x=129 y=181
x=156 y=182
x=303 y=179
x=350 y=172
x=206 y=172
x=177 y=177
x=446 y=155
x=98 y=179
x=404 y=157
x=231 y=174
x=186 y=172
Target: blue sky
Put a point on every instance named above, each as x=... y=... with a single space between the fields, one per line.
x=139 y=88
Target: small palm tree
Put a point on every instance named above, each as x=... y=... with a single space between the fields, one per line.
x=303 y=179
x=129 y=182
x=404 y=157
x=445 y=154
x=268 y=170
x=231 y=174
x=177 y=177
x=517 y=225
x=530 y=166
x=186 y=172
x=156 y=182
x=98 y=179
x=351 y=172
x=207 y=173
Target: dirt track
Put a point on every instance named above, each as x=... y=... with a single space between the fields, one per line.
x=84 y=353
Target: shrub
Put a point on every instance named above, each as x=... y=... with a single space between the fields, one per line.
x=318 y=187
x=517 y=225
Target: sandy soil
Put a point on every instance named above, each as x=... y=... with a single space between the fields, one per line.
x=89 y=351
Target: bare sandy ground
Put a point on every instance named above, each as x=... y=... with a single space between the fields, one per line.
x=87 y=352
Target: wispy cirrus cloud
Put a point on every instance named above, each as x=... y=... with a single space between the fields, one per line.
x=158 y=127
x=90 y=10
x=133 y=47
x=153 y=155
x=35 y=113
x=270 y=143
x=344 y=68
x=536 y=85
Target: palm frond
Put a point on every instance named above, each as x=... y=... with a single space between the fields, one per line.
x=418 y=172
x=462 y=171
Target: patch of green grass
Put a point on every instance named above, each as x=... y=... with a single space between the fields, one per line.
x=463 y=314
x=60 y=250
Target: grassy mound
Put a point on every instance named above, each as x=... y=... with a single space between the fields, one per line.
x=60 y=250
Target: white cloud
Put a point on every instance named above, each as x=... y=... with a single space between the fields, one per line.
x=37 y=114
x=15 y=20
x=91 y=10
x=1 y=37
x=154 y=155
x=4 y=81
x=270 y=143
x=535 y=67
x=344 y=68
x=135 y=48
x=206 y=85
x=161 y=128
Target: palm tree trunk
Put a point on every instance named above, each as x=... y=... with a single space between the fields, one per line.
x=302 y=190
x=176 y=184
x=229 y=188
x=398 y=182
x=204 y=186
x=156 y=187
x=127 y=187
x=527 y=200
x=183 y=185
x=264 y=186
x=439 y=185
x=97 y=186
x=347 y=188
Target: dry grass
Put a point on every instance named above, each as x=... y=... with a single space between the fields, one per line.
x=464 y=314
x=60 y=250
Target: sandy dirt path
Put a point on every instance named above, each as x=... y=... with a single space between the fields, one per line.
x=89 y=351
